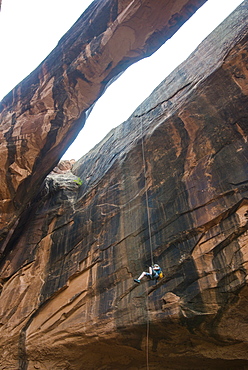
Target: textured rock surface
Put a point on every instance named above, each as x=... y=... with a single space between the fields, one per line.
x=68 y=299
x=44 y=113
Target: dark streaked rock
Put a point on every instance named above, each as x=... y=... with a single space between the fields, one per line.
x=68 y=298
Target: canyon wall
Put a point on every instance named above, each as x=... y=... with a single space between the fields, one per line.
x=68 y=298
x=42 y=115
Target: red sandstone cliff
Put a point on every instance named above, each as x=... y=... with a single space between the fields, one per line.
x=68 y=298
x=44 y=113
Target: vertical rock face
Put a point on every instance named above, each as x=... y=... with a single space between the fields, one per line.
x=44 y=113
x=68 y=298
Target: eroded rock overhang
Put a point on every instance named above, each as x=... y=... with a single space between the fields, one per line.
x=70 y=290
x=42 y=115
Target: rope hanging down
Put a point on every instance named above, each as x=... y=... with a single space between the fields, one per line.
x=147 y=205
x=150 y=241
x=147 y=336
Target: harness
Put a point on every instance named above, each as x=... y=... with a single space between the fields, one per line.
x=157 y=274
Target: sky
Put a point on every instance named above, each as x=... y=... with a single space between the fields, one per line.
x=30 y=29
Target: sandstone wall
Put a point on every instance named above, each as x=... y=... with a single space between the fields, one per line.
x=41 y=117
x=68 y=298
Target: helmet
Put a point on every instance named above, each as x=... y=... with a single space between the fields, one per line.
x=156 y=266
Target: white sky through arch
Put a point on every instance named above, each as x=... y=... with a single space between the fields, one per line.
x=30 y=30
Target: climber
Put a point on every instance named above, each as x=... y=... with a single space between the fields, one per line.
x=154 y=273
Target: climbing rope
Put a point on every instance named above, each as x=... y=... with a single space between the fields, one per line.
x=150 y=241
x=147 y=205
x=147 y=335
